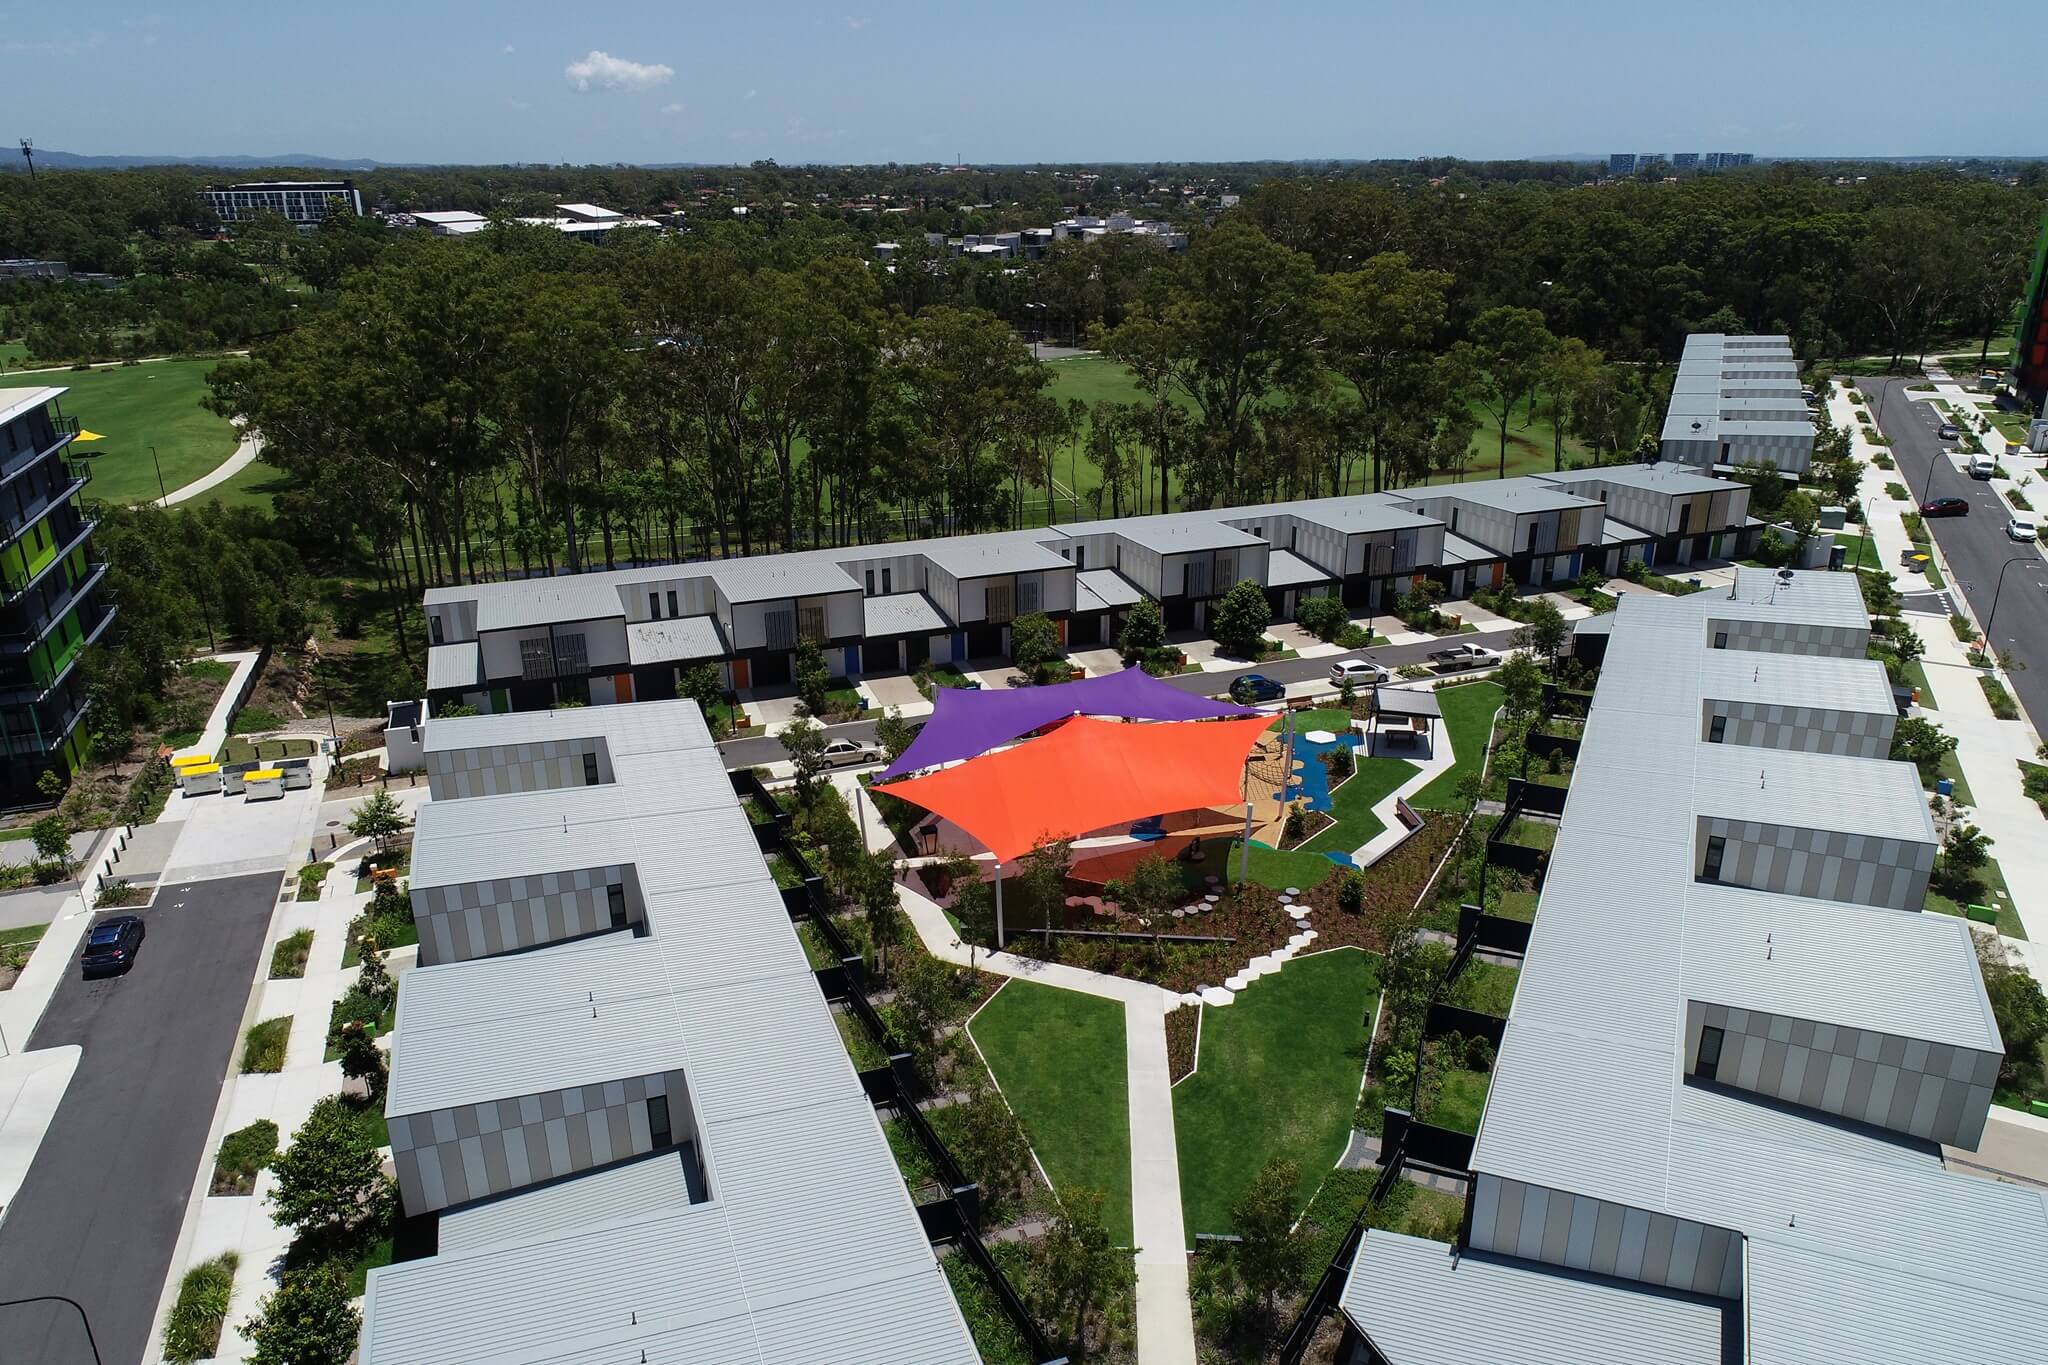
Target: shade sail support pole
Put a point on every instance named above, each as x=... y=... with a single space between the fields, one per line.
x=999 y=906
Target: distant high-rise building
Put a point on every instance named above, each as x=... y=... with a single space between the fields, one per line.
x=1645 y=160
x=305 y=203
x=1685 y=161
x=1621 y=163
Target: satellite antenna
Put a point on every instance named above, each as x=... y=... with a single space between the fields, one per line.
x=28 y=154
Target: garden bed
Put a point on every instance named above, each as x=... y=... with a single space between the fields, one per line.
x=288 y=958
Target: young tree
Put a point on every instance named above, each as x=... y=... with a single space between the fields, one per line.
x=1921 y=743
x=1041 y=877
x=1521 y=683
x=991 y=1148
x=813 y=676
x=1144 y=631
x=1079 y=1271
x=893 y=733
x=1322 y=617
x=374 y=979
x=52 y=840
x=1034 y=640
x=703 y=685
x=1508 y=348
x=1240 y=619
x=1271 y=1251
x=872 y=882
x=803 y=740
x=307 y=1320
x=2019 y=1009
x=378 y=819
x=928 y=999
x=1155 y=884
x=361 y=1058
x=331 y=1187
x=1544 y=630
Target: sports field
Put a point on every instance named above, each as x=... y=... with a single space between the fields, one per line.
x=134 y=407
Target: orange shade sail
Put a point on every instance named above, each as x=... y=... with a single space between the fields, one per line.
x=1087 y=775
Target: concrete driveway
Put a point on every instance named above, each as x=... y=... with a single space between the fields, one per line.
x=99 y=1214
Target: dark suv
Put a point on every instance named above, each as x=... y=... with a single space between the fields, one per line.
x=110 y=946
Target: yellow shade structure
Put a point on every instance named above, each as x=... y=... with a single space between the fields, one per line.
x=84 y=436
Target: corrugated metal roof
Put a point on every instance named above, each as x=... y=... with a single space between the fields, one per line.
x=1422 y=1304
x=808 y=1247
x=1748 y=675
x=1660 y=476
x=902 y=613
x=637 y=1189
x=1520 y=495
x=457 y=667
x=1624 y=937
x=677 y=640
x=1171 y=533
x=547 y=601
x=1286 y=569
x=1103 y=589
x=1460 y=550
x=1357 y=514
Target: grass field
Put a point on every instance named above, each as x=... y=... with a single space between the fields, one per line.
x=1996 y=894
x=135 y=407
x=1277 y=1078
x=1351 y=805
x=1468 y=716
x=1059 y=1058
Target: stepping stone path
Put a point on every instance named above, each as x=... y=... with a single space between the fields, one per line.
x=1265 y=963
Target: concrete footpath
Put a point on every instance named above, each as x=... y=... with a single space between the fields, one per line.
x=1166 y=1324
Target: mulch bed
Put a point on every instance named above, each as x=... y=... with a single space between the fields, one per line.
x=1183 y=1027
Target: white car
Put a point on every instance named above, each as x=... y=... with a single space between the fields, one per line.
x=1464 y=656
x=1358 y=672
x=842 y=753
x=2023 y=528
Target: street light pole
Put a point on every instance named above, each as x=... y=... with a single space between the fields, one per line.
x=2016 y=559
x=163 y=492
x=59 y=1298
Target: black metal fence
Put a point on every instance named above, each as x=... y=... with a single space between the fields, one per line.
x=1445 y=1019
x=1494 y=933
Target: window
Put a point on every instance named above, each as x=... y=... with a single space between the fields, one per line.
x=1720 y=639
x=781 y=629
x=1685 y=518
x=886 y=590
x=615 y=897
x=1080 y=557
x=434 y=625
x=1708 y=1064
x=1000 y=604
x=1533 y=528
x=1027 y=594
x=1717 y=731
x=870 y=576
x=570 y=655
x=672 y=603
x=536 y=661
x=654 y=605
x=590 y=770
x=810 y=624
x=657 y=1120
x=1717 y=848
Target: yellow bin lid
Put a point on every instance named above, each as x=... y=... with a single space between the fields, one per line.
x=262 y=774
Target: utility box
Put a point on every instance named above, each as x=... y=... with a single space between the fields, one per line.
x=1833 y=518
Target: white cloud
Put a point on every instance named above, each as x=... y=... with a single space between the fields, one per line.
x=750 y=94
x=862 y=22
x=517 y=103
x=672 y=108
x=505 y=51
x=602 y=71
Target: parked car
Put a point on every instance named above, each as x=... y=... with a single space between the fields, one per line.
x=842 y=752
x=1945 y=507
x=1982 y=467
x=110 y=946
x=1948 y=431
x=1464 y=656
x=2023 y=528
x=1253 y=687
x=1359 y=672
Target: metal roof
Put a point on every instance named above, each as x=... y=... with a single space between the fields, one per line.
x=1658 y=476
x=455 y=667
x=1460 y=550
x=807 y=1247
x=1406 y=701
x=547 y=601
x=1796 y=680
x=902 y=613
x=1102 y=589
x=1286 y=569
x=679 y=639
x=1172 y=533
x=1624 y=937
x=1356 y=514
x=1519 y=495
x=1422 y=1304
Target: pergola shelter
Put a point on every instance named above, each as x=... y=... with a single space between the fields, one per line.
x=1416 y=713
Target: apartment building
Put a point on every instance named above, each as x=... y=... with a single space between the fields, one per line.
x=616 y=1084
x=1738 y=1051
x=625 y=635
x=303 y=203
x=53 y=604
x=1736 y=401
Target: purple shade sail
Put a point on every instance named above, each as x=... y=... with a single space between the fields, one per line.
x=965 y=723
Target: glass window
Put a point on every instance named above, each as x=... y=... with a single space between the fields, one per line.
x=672 y=603
x=1709 y=1063
x=885 y=581
x=535 y=660
x=590 y=770
x=1718 y=730
x=570 y=654
x=654 y=605
x=1720 y=639
x=1717 y=849
x=615 y=897
x=657 y=1120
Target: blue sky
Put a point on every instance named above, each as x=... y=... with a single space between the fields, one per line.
x=864 y=80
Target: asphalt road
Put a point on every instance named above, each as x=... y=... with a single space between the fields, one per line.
x=763 y=749
x=1976 y=546
x=98 y=1217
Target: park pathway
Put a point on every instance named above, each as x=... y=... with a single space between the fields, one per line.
x=245 y=455
x=1166 y=1324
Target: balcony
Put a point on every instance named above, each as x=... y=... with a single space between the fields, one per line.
x=18 y=685
x=64 y=432
x=74 y=482
x=86 y=526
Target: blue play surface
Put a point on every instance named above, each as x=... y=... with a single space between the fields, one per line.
x=1312 y=780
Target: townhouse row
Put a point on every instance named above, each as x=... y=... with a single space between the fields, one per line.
x=1738 y=1050
x=615 y=1086
x=1737 y=400
x=627 y=635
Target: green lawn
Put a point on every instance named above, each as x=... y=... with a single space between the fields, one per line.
x=135 y=407
x=1468 y=717
x=1488 y=987
x=1916 y=677
x=1277 y=1077
x=1952 y=768
x=1351 y=804
x=1059 y=1057
x=1996 y=895
x=1332 y=718
x=1460 y=1102
x=1271 y=866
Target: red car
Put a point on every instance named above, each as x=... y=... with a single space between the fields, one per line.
x=1945 y=507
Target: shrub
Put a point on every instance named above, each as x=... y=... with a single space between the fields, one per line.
x=310 y=878
x=288 y=958
x=193 y=1330
x=242 y=1154
x=263 y=1046
x=1322 y=617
